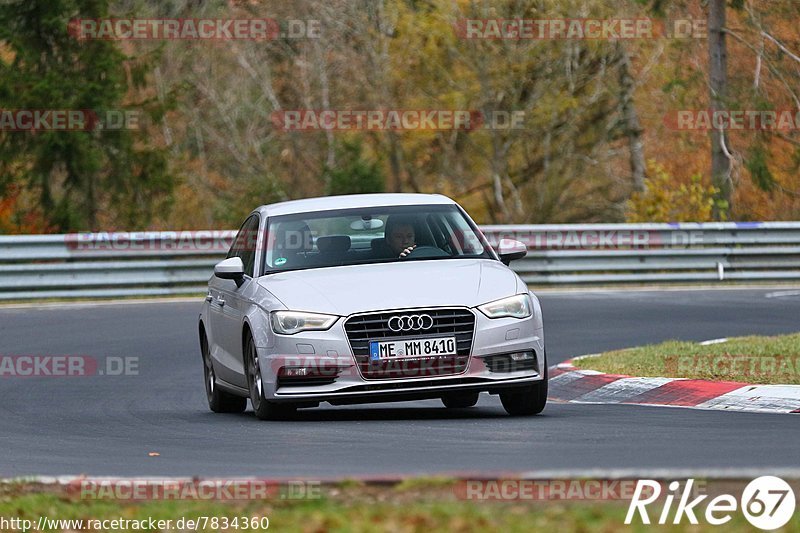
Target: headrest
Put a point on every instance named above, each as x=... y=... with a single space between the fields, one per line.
x=333 y=244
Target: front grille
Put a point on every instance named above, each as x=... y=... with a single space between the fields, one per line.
x=362 y=329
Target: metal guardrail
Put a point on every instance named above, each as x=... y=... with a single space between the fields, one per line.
x=656 y=253
x=166 y=263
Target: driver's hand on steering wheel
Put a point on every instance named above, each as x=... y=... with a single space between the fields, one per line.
x=407 y=251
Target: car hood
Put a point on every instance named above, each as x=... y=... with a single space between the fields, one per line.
x=358 y=288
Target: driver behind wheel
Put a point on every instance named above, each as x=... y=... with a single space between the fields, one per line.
x=400 y=235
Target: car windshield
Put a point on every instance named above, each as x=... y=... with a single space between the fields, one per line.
x=371 y=235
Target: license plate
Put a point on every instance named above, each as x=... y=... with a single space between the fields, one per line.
x=409 y=348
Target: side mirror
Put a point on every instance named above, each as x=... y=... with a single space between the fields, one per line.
x=231 y=268
x=511 y=250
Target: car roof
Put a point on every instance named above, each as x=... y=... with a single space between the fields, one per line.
x=349 y=201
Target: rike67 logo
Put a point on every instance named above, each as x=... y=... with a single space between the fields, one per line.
x=768 y=502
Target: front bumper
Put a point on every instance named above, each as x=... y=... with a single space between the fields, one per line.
x=401 y=390
x=330 y=352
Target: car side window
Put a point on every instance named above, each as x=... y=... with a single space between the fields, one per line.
x=248 y=253
x=234 y=251
x=244 y=245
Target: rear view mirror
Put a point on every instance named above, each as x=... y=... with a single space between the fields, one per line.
x=365 y=224
x=511 y=250
x=231 y=268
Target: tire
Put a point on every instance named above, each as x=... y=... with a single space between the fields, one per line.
x=263 y=409
x=219 y=401
x=460 y=400
x=526 y=401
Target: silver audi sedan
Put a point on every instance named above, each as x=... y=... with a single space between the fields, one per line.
x=369 y=298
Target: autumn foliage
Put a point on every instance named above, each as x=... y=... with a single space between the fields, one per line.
x=595 y=144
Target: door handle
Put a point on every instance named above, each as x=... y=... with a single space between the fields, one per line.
x=209 y=297
x=221 y=301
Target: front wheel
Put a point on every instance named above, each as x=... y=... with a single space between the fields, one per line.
x=219 y=401
x=526 y=401
x=263 y=409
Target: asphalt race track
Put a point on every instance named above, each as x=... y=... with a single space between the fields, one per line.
x=104 y=425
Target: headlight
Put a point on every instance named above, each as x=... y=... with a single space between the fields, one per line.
x=291 y=322
x=518 y=306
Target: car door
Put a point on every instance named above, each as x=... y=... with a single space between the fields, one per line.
x=227 y=305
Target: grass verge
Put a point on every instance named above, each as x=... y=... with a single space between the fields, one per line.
x=770 y=360
x=349 y=507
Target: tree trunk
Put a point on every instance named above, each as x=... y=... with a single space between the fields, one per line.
x=394 y=162
x=630 y=121
x=718 y=81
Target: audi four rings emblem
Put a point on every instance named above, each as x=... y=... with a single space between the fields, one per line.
x=410 y=322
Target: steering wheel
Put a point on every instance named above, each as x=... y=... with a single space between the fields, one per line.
x=424 y=252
